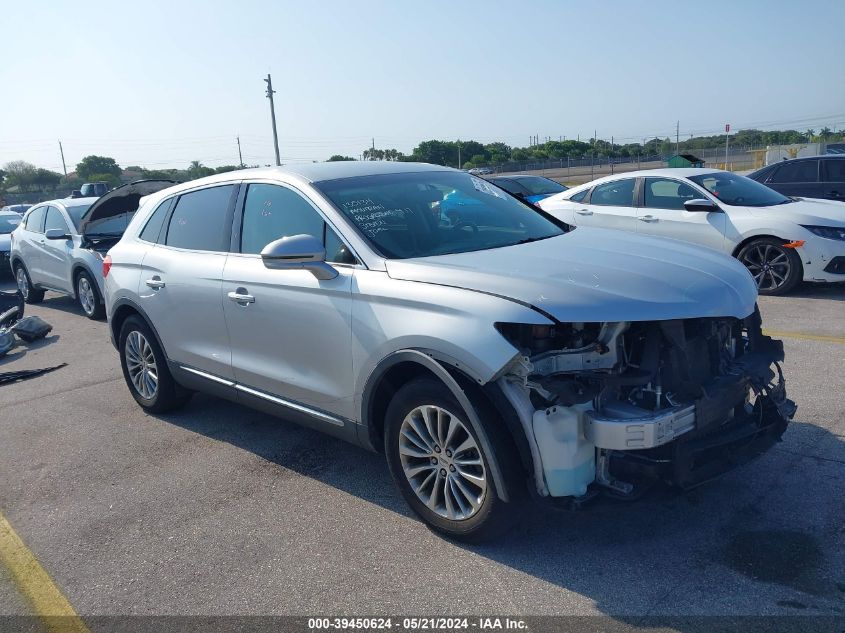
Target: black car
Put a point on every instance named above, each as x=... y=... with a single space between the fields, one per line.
x=528 y=187
x=813 y=177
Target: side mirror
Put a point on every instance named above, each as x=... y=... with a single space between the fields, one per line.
x=298 y=252
x=56 y=234
x=701 y=205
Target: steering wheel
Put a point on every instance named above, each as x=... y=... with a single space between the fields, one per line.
x=465 y=223
x=739 y=200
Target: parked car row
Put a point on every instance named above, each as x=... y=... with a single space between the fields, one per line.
x=780 y=240
x=490 y=350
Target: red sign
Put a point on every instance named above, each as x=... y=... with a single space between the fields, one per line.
x=727 y=127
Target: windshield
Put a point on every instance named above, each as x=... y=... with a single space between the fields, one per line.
x=435 y=213
x=537 y=185
x=739 y=191
x=9 y=223
x=76 y=212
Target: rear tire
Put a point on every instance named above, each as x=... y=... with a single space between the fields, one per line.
x=145 y=369
x=88 y=296
x=30 y=293
x=776 y=270
x=438 y=462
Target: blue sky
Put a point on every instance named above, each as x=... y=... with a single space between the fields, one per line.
x=163 y=83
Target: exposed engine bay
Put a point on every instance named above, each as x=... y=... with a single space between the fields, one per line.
x=616 y=406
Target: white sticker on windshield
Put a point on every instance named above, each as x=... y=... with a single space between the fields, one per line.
x=485 y=187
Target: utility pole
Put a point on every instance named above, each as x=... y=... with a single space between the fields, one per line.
x=270 y=91
x=727 y=136
x=240 y=156
x=678 y=137
x=62 y=152
x=373 y=154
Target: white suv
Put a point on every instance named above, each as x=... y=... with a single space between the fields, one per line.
x=59 y=245
x=490 y=354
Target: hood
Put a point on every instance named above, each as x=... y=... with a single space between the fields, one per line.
x=594 y=275
x=807 y=211
x=111 y=213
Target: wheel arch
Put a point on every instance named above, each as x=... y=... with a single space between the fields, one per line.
x=759 y=236
x=76 y=268
x=124 y=308
x=404 y=365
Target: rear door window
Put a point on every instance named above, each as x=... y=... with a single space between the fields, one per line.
x=619 y=193
x=798 y=171
x=199 y=221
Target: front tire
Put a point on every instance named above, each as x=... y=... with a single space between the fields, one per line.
x=437 y=461
x=30 y=293
x=145 y=369
x=776 y=269
x=88 y=296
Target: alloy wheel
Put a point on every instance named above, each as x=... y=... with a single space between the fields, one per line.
x=769 y=265
x=86 y=295
x=141 y=364
x=442 y=462
x=22 y=281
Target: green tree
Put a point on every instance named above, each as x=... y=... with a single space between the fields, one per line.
x=111 y=179
x=338 y=157
x=20 y=174
x=97 y=165
x=46 y=179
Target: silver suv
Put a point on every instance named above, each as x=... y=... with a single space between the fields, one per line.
x=59 y=245
x=492 y=354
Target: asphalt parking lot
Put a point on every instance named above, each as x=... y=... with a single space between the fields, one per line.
x=221 y=510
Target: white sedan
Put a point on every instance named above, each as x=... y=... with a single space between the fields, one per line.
x=780 y=240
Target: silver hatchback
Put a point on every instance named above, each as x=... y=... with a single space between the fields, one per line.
x=59 y=245
x=489 y=351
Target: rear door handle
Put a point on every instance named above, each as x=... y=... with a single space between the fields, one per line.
x=584 y=212
x=647 y=218
x=241 y=297
x=155 y=283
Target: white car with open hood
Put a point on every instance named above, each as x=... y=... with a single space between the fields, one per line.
x=59 y=245
x=489 y=352
x=780 y=240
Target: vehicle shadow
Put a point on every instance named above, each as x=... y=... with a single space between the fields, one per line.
x=757 y=525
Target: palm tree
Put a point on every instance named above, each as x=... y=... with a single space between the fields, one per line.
x=810 y=133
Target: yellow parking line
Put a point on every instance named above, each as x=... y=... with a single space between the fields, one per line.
x=35 y=584
x=806 y=337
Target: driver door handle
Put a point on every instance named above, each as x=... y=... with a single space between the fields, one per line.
x=647 y=218
x=584 y=212
x=241 y=297
x=155 y=283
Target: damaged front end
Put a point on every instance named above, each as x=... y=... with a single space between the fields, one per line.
x=615 y=407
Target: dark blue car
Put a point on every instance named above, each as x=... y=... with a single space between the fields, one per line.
x=527 y=187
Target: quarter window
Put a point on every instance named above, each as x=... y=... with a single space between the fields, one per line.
x=579 y=197
x=835 y=170
x=619 y=193
x=797 y=171
x=55 y=220
x=153 y=227
x=199 y=220
x=35 y=220
x=665 y=193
